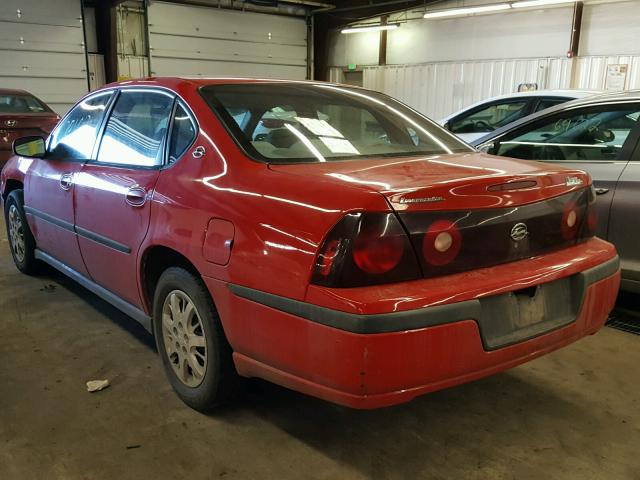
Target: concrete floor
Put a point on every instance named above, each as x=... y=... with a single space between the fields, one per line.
x=574 y=414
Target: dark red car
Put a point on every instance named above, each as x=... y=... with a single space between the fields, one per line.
x=325 y=238
x=22 y=114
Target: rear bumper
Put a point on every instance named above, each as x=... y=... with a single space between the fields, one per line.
x=371 y=361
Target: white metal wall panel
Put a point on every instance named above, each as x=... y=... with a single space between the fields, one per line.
x=611 y=29
x=478 y=37
x=358 y=48
x=438 y=89
x=336 y=75
x=205 y=41
x=532 y=34
x=591 y=72
x=42 y=50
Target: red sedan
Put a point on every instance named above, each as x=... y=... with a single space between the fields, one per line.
x=22 y=114
x=325 y=238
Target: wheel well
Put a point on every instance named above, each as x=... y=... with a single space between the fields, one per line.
x=10 y=186
x=156 y=260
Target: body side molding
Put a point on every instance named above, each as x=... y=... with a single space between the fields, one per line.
x=125 y=307
x=83 y=232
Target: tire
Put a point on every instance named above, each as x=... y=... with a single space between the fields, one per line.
x=21 y=241
x=195 y=353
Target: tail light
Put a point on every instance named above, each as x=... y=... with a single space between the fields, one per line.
x=366 y=249
x=375 y=248
x=450 y=242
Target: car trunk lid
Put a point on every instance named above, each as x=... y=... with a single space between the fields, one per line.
x=463 y=212
x=447 y=182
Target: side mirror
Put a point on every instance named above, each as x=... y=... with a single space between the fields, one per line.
x=32 y=147
x=486 y=147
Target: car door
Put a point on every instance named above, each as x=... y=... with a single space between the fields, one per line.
x=624 y=231
x=49 y=182
x=596 y=139
x=113 y=191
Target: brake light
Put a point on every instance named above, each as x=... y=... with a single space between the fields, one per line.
x=366 y=249
x=375 y=253
x=376 y=248
x=454 y=241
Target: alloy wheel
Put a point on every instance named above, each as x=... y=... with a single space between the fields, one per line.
x=184 y=339
x=16 y=234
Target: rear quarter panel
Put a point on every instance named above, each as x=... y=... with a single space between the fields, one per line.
x=279 y=220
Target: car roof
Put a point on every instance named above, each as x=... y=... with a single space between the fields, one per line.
x=202 y=81
x=532 y=93
x=602 y=99
x=14 y=91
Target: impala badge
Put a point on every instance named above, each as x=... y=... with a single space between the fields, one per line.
x=10 y=123
x=422 y=200
x=573 y=181
x=519 y=232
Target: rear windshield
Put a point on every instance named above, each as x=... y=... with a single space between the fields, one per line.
x=291 y=123
x=21 y=104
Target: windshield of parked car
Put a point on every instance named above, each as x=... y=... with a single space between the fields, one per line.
x=289 y=123
x=489 y=118
x=21 y=104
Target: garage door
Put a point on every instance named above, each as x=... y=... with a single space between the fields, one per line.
x=41 y=50
x=203 y=41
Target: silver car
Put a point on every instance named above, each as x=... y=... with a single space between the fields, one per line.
x=601 y=136
x=477 y=120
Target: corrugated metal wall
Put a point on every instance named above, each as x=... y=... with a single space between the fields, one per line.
x=42 y=50
x=438 y=89
x=205 y=41
x=591 y=71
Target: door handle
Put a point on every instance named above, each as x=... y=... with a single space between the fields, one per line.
x=136 y=196
x=601 y=191
x=66 y=181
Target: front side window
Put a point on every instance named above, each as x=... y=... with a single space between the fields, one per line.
x=76 y=134
x=183 y=133
x=489 y=118
x=14 y=103
x=136 y=129
x=577 y=135
x=289 y=123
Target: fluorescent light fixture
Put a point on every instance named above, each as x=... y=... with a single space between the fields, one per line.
x=370 y=28
x=454 y=12
x=539 y=3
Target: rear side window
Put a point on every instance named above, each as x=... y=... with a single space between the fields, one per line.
x=577 y=136
x=136 y=129
x=183 y=133
x=489 y=118
x=75 y=136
